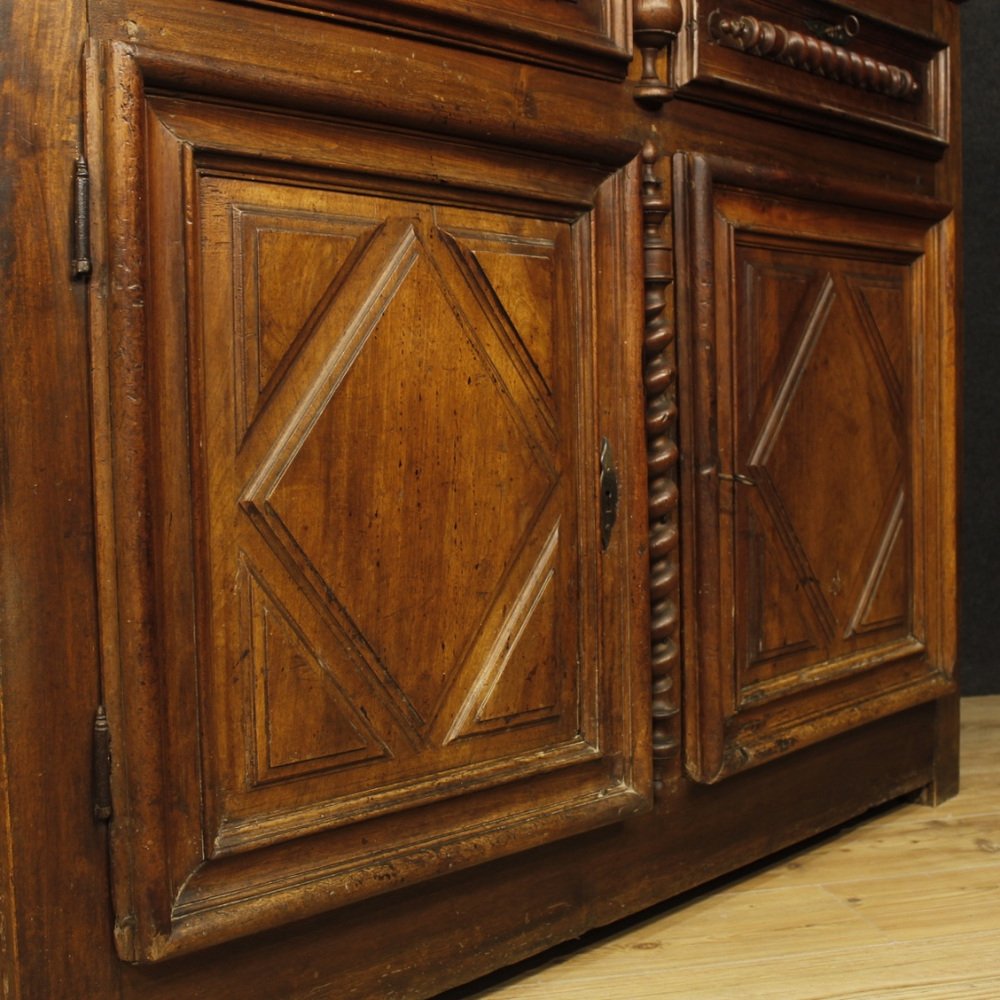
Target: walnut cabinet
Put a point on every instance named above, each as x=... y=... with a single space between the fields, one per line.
x=471 y=471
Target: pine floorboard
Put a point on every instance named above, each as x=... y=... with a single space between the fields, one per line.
x=902 y=906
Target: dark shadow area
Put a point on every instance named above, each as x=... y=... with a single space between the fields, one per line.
x=979 y=654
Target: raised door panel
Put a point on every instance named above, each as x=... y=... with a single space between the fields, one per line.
x=396 y=514
x=820 y=543
x=365 y=629
x=821 y=499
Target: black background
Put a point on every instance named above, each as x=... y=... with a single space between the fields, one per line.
x=979 y=635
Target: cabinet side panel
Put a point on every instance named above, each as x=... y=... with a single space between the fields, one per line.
x=56 y=940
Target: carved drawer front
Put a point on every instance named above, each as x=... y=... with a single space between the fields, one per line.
x=820 y=363
x=818 y=64
x=364 y=626
x=586 y=35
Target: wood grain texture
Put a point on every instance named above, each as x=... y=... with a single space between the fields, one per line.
x=727 y=60
x=50 y=685
x=568 y=890
x=589 y=36
x=660 y=378
x=9 y=984
x=815 y=368
x=378 y=75
x=367 y=608
x=330 y=237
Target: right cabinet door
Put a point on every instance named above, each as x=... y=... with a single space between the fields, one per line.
x=817 y=349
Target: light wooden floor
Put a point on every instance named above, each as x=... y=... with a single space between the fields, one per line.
x=904 y=905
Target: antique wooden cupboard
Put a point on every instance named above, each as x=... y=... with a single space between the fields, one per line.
x=472 y=469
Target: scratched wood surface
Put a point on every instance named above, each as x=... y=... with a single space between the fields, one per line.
x=304 y=485
x=902 y=905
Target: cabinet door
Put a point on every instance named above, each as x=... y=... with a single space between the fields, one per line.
x=362 y=415
x=819 y=360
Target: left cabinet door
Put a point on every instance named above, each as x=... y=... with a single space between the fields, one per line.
x=359 y=393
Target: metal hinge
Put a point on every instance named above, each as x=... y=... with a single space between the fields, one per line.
x=609 y=493
x=102 y=766
x=80 y=263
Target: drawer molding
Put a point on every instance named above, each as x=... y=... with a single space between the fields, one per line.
x=818 y=67
x=806 y=52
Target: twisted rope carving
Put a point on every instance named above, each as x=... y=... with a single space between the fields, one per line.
x=812 y=55
x=660 y=376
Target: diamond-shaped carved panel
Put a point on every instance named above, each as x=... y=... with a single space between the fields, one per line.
x=881 y=306
x=515 y=279
x=820 y=438
x=884 y=599
x=524 y=283
x=522 y=277
x=833 y=424
x=781 y=294
x=414 y=488
x=780 y=619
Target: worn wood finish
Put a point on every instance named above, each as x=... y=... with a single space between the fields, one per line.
x=589 y=36
x=377 y=582
x=662 y=440
x=818 y=352
x=311 y=459
x=821 y=66
x=518 y=906
x=47 y=599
